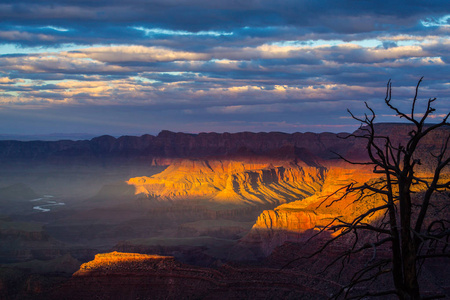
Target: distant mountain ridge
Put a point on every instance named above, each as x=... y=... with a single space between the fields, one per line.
x=47 y=137
x=169 y=145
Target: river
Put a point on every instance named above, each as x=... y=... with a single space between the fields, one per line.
x=45 y=203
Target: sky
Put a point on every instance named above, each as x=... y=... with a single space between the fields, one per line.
x=134 y=67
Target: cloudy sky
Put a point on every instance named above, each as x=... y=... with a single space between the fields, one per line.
x=135 y=66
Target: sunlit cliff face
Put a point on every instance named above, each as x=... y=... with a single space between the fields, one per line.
x=289 y=221
x=232 y=181
x=317 y=210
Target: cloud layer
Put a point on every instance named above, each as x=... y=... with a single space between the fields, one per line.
x=138 y=66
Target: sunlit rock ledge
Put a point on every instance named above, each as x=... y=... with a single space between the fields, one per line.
x=121 y=262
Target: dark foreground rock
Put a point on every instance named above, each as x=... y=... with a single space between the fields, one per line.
x=135 y=276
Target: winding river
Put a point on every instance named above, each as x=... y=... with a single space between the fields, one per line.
x=45 y=203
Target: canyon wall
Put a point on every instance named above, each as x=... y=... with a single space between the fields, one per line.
x=290 y=221
x=256 y=181
x=297 y=221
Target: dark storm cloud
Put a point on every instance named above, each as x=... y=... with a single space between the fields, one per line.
x=205 y=14
x=81 y=22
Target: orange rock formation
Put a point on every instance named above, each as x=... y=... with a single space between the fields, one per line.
x=259 y=181
x=108 y=261
x=286 y=222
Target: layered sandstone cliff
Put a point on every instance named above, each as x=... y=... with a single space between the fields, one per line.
x=289 y=222
x=255 y=181
x=294 y=221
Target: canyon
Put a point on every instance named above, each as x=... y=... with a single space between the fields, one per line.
x=250 y=181
x=219 y=212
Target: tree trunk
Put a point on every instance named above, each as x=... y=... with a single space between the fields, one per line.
x=410 y=286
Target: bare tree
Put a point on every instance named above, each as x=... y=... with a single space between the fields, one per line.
x=405 y=225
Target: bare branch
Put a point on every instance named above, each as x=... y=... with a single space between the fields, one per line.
x=387 y=100
x=415 y=98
